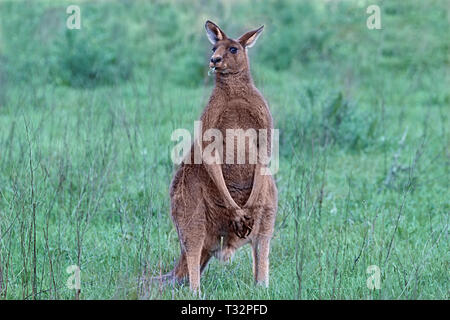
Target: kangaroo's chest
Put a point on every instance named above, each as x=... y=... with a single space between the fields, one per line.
x=237 y=114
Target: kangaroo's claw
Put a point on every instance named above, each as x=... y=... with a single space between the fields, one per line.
x=242 y=225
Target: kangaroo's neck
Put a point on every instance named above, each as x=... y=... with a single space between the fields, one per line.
x=234 y=84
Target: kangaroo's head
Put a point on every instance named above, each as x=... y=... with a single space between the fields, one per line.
x=229 y=55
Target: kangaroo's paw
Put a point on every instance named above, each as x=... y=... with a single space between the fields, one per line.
x=242 y=223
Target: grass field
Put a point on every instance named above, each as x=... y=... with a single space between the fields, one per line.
x=86 y=118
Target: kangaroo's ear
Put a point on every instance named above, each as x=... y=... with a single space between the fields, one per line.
x=213 y=32
x=248 y=40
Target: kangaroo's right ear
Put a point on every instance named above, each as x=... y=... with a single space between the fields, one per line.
x=213 y=32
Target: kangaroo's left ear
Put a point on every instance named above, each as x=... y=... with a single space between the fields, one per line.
x=248 y=39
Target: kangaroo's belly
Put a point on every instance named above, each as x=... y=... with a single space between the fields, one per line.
x=239 y=181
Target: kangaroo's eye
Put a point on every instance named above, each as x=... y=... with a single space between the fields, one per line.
x=214 y=49
x=233 y=50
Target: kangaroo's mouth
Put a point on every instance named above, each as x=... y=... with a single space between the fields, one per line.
x=217 y=69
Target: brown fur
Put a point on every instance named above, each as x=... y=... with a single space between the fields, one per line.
x=217 y=208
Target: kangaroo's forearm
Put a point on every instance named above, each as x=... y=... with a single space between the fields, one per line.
x=258 y=181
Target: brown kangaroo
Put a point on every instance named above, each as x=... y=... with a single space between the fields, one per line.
x=218 y=207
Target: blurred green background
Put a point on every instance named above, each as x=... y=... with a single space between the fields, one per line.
x=85 y=123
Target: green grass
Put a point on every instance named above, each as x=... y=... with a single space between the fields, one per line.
x=85 y=157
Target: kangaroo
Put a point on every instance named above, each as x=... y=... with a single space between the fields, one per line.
x=218 y=207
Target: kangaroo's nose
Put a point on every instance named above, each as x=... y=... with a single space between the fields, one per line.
x=216 y=59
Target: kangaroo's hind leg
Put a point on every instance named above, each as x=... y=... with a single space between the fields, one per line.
x=188 y=211
x=261 y=241
x=260 y=252
x=189 y=217
x=192 y=241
